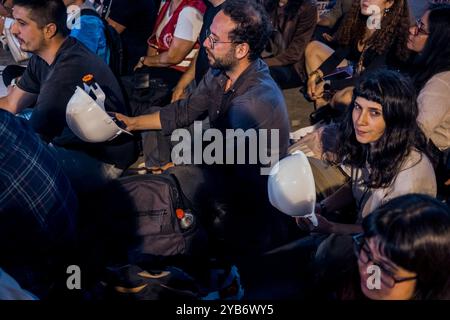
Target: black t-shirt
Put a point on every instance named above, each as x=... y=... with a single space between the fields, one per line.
x=55 y=84
x=138 y=17
x=202 y=64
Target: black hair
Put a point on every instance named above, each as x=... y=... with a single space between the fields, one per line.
x=396 y=94
x=44 y=12
x=435 y=57
x=414 y=233
x=393 y=34
x=253 y=25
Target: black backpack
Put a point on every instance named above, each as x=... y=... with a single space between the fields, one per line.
x=149 y=216
x=113 y=42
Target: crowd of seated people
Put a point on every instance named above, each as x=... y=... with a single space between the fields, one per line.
x=365 y=41
x=226 y=62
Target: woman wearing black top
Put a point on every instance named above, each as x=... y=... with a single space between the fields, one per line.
x=373 y=35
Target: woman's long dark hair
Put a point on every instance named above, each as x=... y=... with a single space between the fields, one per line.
x=290 y=9
x=396 y=94
x=414 y=233
x=393 y=31
x=435 y=57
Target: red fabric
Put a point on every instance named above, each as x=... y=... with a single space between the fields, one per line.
x=163 y=42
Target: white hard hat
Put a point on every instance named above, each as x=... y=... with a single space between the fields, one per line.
x=89 y=121
x=291 y=186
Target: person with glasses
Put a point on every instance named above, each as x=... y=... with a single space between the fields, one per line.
x=430 y=39
x=236 y=93
x=381 y=148
x=408 y=239
x=171 y=49
x=385 y=154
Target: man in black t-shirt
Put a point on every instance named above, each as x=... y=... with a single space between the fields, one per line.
x=56 y=68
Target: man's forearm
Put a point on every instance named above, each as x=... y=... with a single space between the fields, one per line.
x=147 y=122
x=5 y=105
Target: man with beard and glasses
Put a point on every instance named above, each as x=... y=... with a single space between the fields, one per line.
x=236 y=93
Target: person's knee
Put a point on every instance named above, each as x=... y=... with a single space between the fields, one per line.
x=314 y=48
x=343 y=97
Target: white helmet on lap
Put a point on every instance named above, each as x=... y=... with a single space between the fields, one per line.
x=291 y=186
x=88 y=119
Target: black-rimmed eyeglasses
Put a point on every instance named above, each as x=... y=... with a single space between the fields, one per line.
x=419 y=28
x=364 y=255
x=212 y=41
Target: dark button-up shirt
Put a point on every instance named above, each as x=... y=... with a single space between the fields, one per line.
x=253 y=102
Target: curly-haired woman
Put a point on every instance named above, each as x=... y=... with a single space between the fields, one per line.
x=373 y=34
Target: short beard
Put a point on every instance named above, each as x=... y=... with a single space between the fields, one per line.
x=226 y=63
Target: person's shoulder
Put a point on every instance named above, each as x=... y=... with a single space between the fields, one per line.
x=194 y=5
x=75 y=53
x=417 y=159
x=437 y=85
x=443 y=77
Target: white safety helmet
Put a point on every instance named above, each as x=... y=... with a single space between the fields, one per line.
x=291 y=186
x=88 y=119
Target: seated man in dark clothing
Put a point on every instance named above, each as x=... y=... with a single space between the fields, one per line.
x=238 y=94
x=293 y=23
x=134 y=21
x=37 y=208
x=56 y=68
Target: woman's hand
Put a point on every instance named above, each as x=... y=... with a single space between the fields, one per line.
x=315 y=88
x=318 y=90
x=130 y=122
x=327 y=37
x=324 y=225
x=311 y=85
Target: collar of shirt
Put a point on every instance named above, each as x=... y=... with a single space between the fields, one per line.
x=247 y=77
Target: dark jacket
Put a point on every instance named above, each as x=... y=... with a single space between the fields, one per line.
x=292 y=36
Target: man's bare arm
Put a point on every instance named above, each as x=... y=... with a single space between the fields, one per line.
x=17 y=100
x=119 y=27
x=145 y=122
